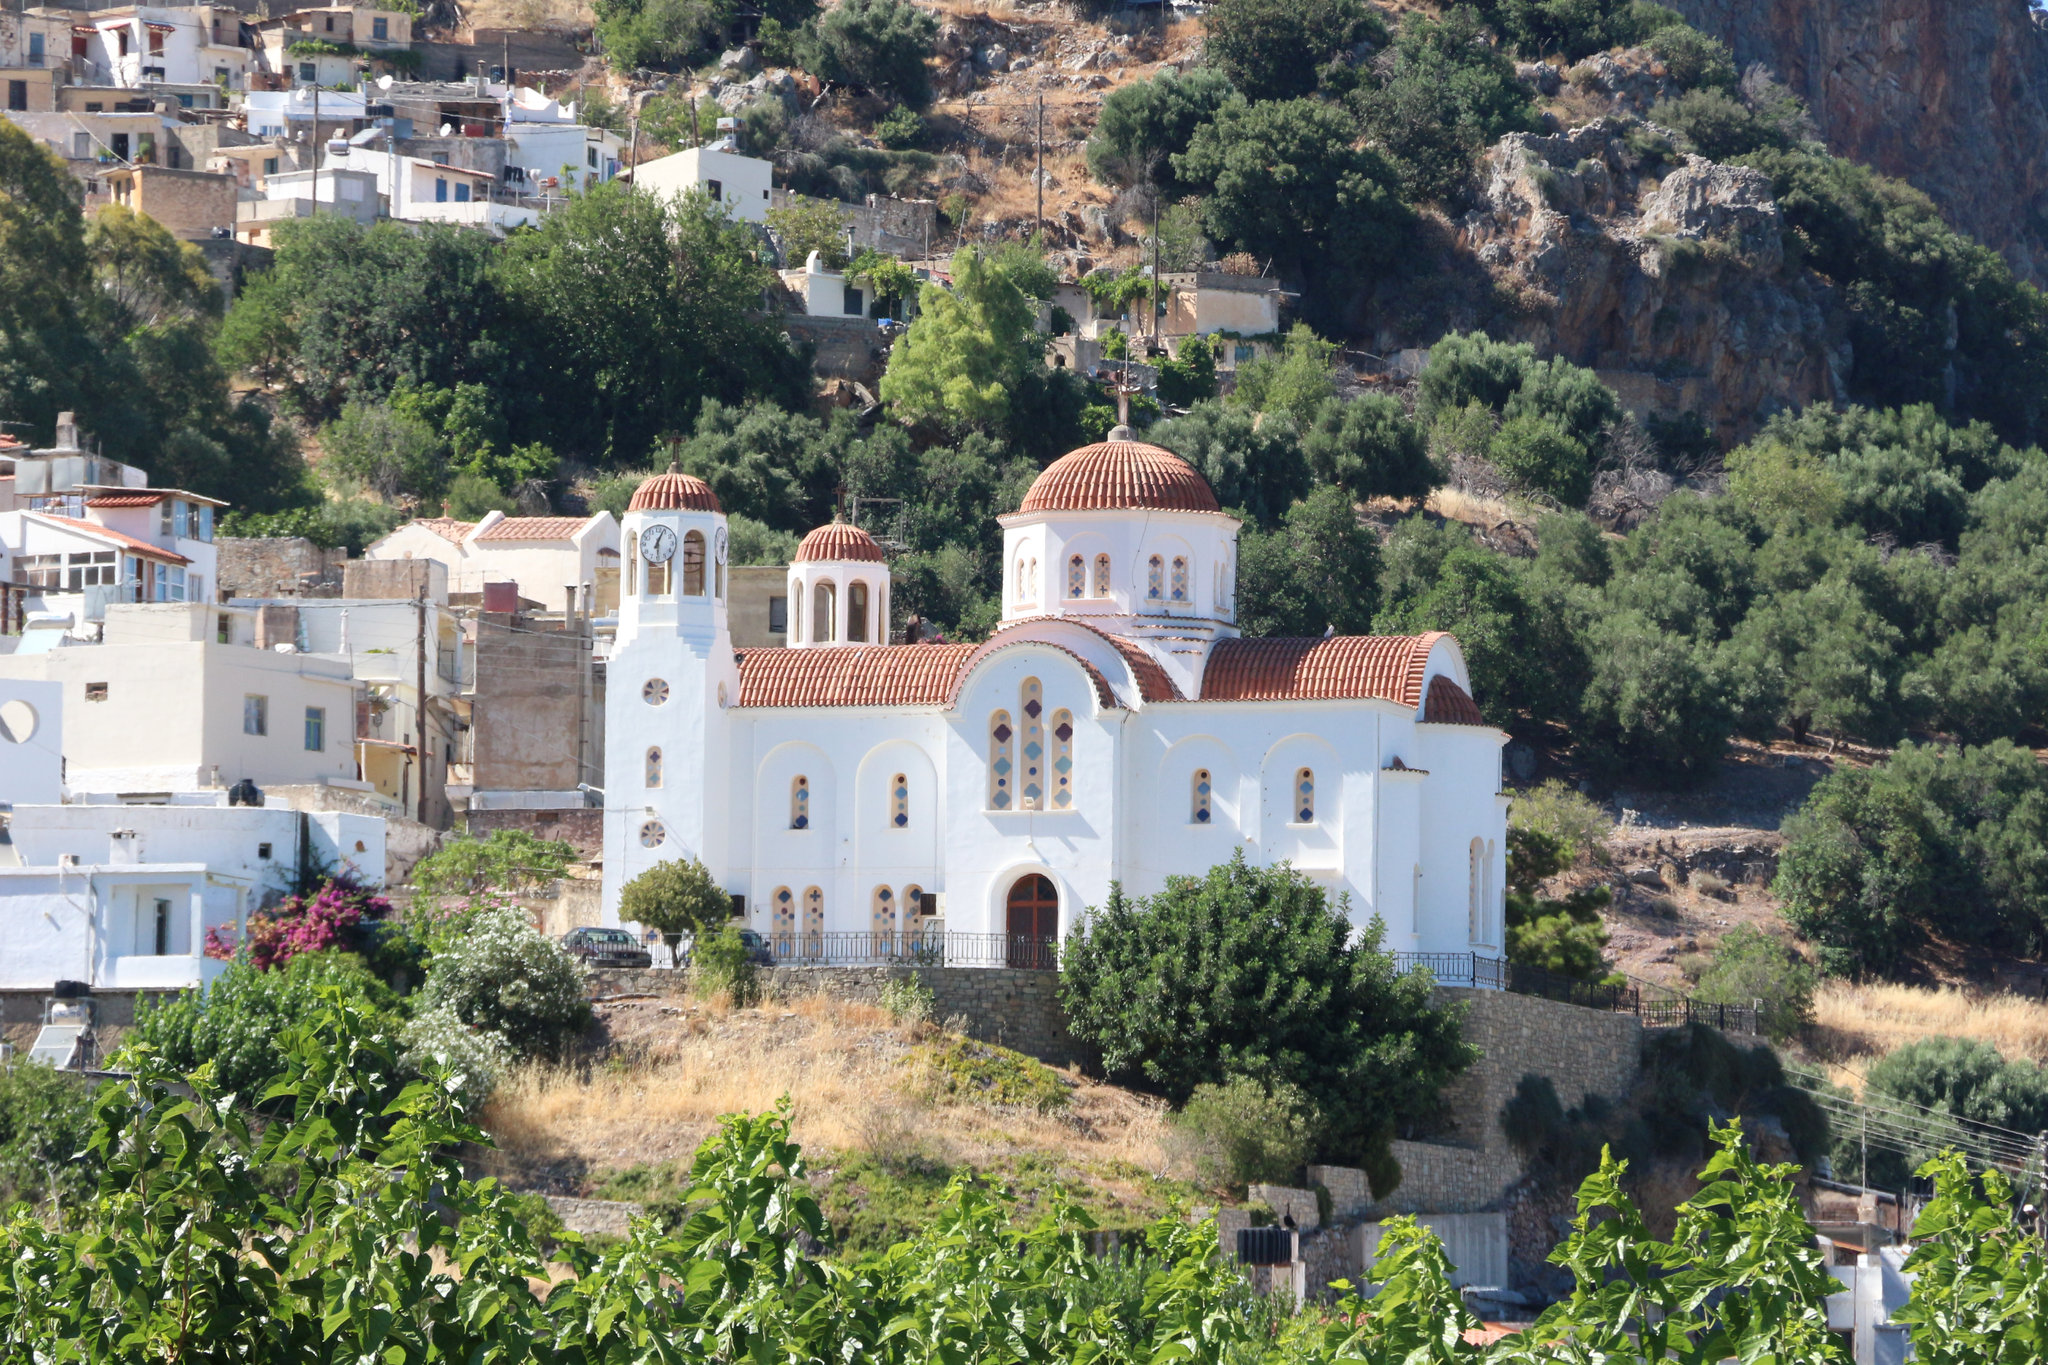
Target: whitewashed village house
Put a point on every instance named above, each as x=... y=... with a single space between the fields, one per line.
x=1115 y=728
x=544 y=556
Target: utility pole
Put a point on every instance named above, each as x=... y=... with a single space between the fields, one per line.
x=1040 y=176
x=1155 y=265
x=419 y=683
x=316 y=141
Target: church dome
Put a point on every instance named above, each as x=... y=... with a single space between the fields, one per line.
x=1120 y=474
x=839 y=542
x=674 y=492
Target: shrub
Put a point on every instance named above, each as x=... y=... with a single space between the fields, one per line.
x=811 y=225
x=982 y=1073
x=724 y=965
x=1245 y=1132
x=507 y=860
x=1573 y=819
x=1144 y=124
x=338 y=915
x=1190 y=377
x=1955 y=1077
x=1538 y=456
x=475 y=1059
x=907 y=999
x=878 y=45
x=1692 y=58
x=46 y=1119
x=1564 y=936
x=501 y=976
x=676 y=897
x=901 y=129
x=1279 y=49
x=1750 y=965
x=236 y=1024
x=1369 y=448
x=1250 y=971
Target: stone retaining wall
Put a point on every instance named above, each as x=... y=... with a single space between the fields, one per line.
x=605 y=1217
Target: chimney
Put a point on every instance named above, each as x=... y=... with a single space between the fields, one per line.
x=67 y=431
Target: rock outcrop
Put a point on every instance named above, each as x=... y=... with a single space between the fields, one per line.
x=1948 y=95
x=1666 y=274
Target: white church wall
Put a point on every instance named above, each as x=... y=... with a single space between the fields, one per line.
x=1461 y=803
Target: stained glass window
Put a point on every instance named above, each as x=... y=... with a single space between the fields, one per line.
x=784 y=928
x=1305 y=796
x=1077 y=576
x=1000 y=767
x=800 y=802
x=1102 y=575
x=1032 y=776
x=652 y=835
x=1062 y=760
x=899 y=801
x=1155 y=578
x=1199 y=807
x=654 y=767
x=882 y=918
x=814 y=922
x=654 y=692
x=1180 y=578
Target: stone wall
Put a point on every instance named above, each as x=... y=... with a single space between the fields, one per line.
x=582 y=829
x=276 y=566
x=602 y=1217
x=1010 y=1006
x=537 y=712
x=844 y=348
x=1582 y=1051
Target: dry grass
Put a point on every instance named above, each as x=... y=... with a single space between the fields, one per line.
x=1855 y=1025
x=849 y=1071
x=1455 y=504
x=1012 y=196
x=556 y=16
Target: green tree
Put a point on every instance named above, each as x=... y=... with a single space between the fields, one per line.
x=638 y=33
x=1190 y=377
x=1143 y=125
x=1297 y=381
x=508 y=860
x=45 y=1128
x=1657 y=706
x=877 y=45
x=779 y=467
x=1284 y=181
x=375 y=447
x=499 y=976
x=1318 y=570
x=1440 y=96
x=813 y=225
x=1539 y=456
x=1254 y=466
x=1954 y=1079
x=1749 y=966
x=1272 y=50
x=1717 y=125
x=676 y=897
x=968 y=349
x=1562 y=934
x=1252 y=972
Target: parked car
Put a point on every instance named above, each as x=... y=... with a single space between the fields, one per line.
x=606 y=948
x=757 y=948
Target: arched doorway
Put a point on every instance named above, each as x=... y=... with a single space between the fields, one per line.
x=1033 y=922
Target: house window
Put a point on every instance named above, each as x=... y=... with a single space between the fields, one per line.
x=1180 y=578
x=1199 y=797
x=857 y=611
x=160 y=926
x=81 y=146
x=1077 y=576
x=693 y=564
x=1062 y=774
x=95 y=691
x=590 y=157
x=17 y=96
x=380 y=29
x=1155 y=578
x=852 y=304
x=168 y=583
x=223 y=630
x=778 y=616
x=462 y=191
x=899 y=801
x=1032 y=775
x=263 y=852
x=814 y=922
x=330 y=23
x=121 y=42
x=653 y=834
x=316 y=729
x=39 y=571
x=270 y=165
x=156 y=43
x=440 y=191
x=654 y=766
x=309 y=73
x=800 y=802
x=1000 y=739
x=35 y=49
x=716 y=190
x=255 y=715
x=120 y=145
x=92 y=568
x=1304 y=796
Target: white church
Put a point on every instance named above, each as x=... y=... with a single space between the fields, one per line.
x=859 y=795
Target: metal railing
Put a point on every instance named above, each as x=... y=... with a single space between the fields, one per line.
x=915 y=948
x=1656 y=1006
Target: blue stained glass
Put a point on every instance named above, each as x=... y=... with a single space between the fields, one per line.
x=902 y=820
x=1202 y=816
x=801 y=822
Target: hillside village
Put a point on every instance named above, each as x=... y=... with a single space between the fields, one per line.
x=1205 y=629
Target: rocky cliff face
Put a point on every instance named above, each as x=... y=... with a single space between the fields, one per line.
x=1949 y=95
x=1668 y=276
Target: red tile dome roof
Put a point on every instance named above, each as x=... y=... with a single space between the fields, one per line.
x=1389 y=667
x=672 y=492
x=1118 y=474
x=1450 y=704
x=839 y=541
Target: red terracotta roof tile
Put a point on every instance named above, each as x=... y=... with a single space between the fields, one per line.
x=839 y=541
x=1154 y=682
x=448 y=528
x=674 y=491
x=125 y=500
x=1120 y=474
x=1389 y=667
x=139 y=546
x=852 y=675
x=535 y=528
x=1450 y=704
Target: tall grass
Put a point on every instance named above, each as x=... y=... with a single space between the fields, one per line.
x=1855 y=1025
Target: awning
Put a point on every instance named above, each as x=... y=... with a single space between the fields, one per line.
x=408 y=750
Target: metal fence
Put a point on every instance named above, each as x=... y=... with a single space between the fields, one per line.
x=1656 y=1006
x=917 y=948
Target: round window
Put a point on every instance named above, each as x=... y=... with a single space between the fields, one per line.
x=655 y=692
x=652 y=835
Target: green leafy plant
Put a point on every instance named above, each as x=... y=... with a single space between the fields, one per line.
x=500 y=976
x=1242 y=1132
x=907 y=999
x=507 y=860
x=1749 y=966
x=966 y=1071
x=723 y=964
x=808 y=226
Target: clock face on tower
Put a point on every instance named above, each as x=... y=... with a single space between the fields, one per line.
x=719 y=541
x=657 y=544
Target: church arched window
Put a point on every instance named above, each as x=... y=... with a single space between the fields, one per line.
x=1180 y=578
x=825 y=613
x=1018 y=577
x=1102 y=575
x=814 y=922
x=1475 y=892
x=857 y=611
x=693 y=563
x=1062 y=760
x=1000 y=764
x=882 y=920
x=1077 y=576
x=1031 y=777
x=899 y=801
x=1031 y=581
x=796 y=617
x=632 y=563
x=800 y=802
x=654 y=766
x=1155 y=578
x=1200 y=797
x=1304 y=796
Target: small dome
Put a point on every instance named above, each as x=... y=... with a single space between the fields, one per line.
x=672 y=492
x=1120 y=474
x=838 y=542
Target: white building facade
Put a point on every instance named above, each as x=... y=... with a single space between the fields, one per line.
x=1114 y=729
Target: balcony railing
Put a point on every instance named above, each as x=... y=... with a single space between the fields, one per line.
x=1655 y=1005
x=917 y=948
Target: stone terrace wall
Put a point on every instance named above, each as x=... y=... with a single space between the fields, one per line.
x=1582 y=1051
x=1016 y=1008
